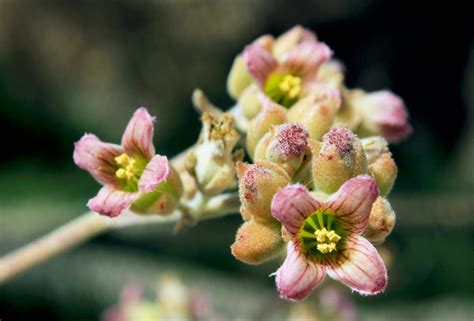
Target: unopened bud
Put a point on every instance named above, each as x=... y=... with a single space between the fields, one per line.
x=385 y=171
x=381 y=221
x=271 y=114
x=383 y=113
x=317 y=111
x=331 y=73
x=249 y=103
x=257 y=184
x=256 y=243
x=340 y=158
x=285 y=145
x=374 y=146
x=238 y=78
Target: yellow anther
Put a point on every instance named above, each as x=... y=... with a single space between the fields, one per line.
x=333 y=237
x=121 y=173
x=284 y=86
x=122 y=160
x=326 y=240
x=294 y=92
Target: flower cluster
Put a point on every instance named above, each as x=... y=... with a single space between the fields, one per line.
x=321 y=166
x=320 y=175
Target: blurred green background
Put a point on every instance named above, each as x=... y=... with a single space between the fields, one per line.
x=69 y=67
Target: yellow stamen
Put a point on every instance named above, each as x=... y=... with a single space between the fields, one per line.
x=121 y=173
x=122 y=160
x=326 y=240
x=127 y=167
x=291 y=85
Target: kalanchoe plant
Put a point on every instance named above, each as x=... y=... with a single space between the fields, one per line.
x=132 y=175
x=317 y=180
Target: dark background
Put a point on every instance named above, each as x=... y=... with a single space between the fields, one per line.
x=67 y=67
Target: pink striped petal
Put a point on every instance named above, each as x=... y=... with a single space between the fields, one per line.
x=292 y=205
x=138 y=136
x=352 y=203
x=155 y=172
x=297 y=277
x=260 y=62
x=304 y=60
x=361 y=268
x=111 y=202
x=97 y=157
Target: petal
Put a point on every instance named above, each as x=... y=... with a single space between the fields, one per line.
x=138 y=136
x=260 y=62
x=361 y=268
x=111 y=202
x=155 y=172
x=353 y=201
x=97 y=157
x=292 y=205
x=304 y=60
x=297 y=277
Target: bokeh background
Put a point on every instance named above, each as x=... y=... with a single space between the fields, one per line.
x=67 y=67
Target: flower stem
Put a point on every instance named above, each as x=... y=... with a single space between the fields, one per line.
x=91 y=224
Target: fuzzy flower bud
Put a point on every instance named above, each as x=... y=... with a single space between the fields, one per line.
x=212 y=161
x=238 y=78
x=340 y=158
x=331 y=73
x=383 y=113
x=384 y=170
x=374 y=146
x=271 y=114
x=317 y=110
x=285 y=145
x=381 y=221
x=259 y=239
x=256 y=243
x=257 y=184
x=381 y=164
x=249 y=102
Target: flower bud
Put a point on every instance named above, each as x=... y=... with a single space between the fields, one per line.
x=285 y=145
x=347 y=114
x=163 y=199
x=249 y=103
x=271 y=114
x=384 y=170
x=383 y=113
x=211 y=161
x=317 y=110
x=374 y=146
x=381 y=221
x=331 y=73
x=340 y=158
x=238 y=78
x=256 y=243
x=257 y=184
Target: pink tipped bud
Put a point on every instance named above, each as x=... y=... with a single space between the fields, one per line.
x=340 y=158
x=383 y=113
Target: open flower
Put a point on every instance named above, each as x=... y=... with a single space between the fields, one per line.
x=131 y=173
x=326 y=239
x=287 y=79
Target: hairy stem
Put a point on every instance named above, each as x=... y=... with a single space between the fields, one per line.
x=91 y=224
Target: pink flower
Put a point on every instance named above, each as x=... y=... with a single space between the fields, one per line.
x=127 y=171
x=287 y=79
x=326 y=239
x=384 y=113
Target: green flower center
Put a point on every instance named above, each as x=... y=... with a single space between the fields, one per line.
x=321 y=234
x=283 y=89
x=129 y=171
